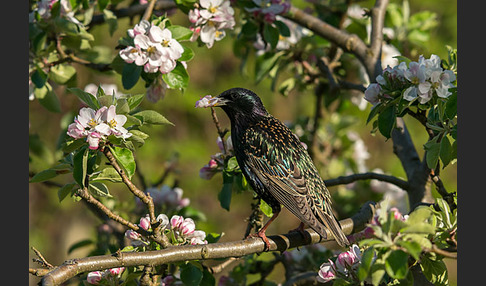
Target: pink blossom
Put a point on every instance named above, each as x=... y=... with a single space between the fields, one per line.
x=145 y=222
x=94 y=277
x=187 y=227
x=116 y=271
x=327 y=272
x=175 y=221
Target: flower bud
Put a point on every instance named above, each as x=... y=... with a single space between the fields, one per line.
x=175 y=221
x=187 y=227
x=94 y=277
x=163 y=219
x=326 y=272
x=145 y=222
x=346 y=259
x=116 y=271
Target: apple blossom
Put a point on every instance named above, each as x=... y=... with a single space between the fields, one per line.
x=163 y=219
x=327 y=272
x=209 y=20
x=116 y=271
x=154 y=48
x=94 y=277
x=145 y=222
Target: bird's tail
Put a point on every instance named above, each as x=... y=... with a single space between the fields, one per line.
x=333 y=225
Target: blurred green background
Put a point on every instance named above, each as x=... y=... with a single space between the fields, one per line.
x=54 y=226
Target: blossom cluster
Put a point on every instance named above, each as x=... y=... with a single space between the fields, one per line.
x=216 y=162
x=154 y=48
x=345 y=263
x=98 y=125
x=95 y=277
x=210 y=19
x=419 y=80
x=183 y=230
x=269 y=9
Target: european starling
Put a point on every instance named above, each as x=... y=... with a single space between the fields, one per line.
x=276 y=165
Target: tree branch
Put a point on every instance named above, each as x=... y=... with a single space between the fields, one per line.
x=368 y=176
x=133 y=10
x=174 y=254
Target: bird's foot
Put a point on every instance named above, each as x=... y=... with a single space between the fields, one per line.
x=261 y=234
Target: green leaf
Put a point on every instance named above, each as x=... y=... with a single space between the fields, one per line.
x=434 y=271
x=396 y=264
x=180 y=33
x=213 y=237
x=366 y=262
x=445 y=152
x=79 y=244
x=413 y=248
x=107 y=174
x=387 y=120
x=403 y=59
x=39 y=78
x=191 y=275
x=187 y=55
x=98 y=189
x=433 y=150
x=62 y=73
x=264 y=64
x=224 y=195
x=43 y=176
x=122 y=106
x=207 y=279
x=72 y=145
x=375 y=110
x=377 y=273
x=111 y=20
x=125 y=158
x=134 y=100
x=270 y=35
x=80 y=166
x=130 y=75
x=451 y=106
x=266 y=209
x=282 y=28
x=85 y=97
x=178 y=78
x=151 y=117
x=65 y=190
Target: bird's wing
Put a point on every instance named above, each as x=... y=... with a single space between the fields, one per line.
x=290 y=176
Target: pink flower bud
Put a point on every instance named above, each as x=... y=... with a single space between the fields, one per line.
x=175 y=221
x=94 y=277
x=346 y=259
x=396 y=213
x=145 y=222
x=117 y=271
x=187 y=227
x=326 y=272
x=132 y=235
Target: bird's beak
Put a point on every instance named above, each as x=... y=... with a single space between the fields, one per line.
x=209 y=101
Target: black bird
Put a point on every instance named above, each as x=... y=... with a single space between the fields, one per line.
x=276 y=165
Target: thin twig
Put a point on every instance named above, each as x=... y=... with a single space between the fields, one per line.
x=145 y=198
x=148 y=11
x=342 y=180
x=221 y=132
x=84 y=193
x=42 y=260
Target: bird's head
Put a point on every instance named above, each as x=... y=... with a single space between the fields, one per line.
x=237 y=103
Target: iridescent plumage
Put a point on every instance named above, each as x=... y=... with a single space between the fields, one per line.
x=276 y=165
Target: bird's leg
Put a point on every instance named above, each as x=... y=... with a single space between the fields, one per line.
x=261 y=232
x=300 y=229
